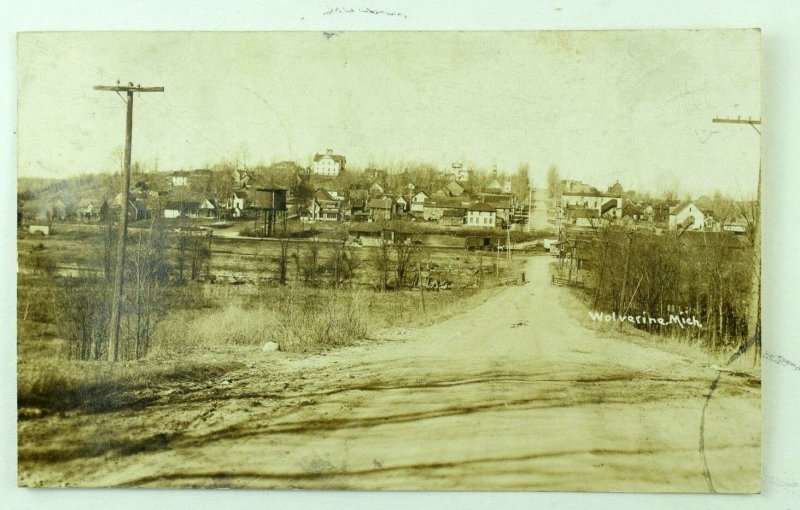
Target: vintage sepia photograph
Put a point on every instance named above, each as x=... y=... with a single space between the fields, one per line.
x=450 y=261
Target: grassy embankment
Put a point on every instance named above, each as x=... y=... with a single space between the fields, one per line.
x=675 y=340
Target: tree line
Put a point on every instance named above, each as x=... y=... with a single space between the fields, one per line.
x=707 y=276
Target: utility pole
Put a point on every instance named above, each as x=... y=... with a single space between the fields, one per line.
x=421 y=286
x=497 y=261
x=122 y=234
x=754 y=321
x=530 y=209
x=508 y=248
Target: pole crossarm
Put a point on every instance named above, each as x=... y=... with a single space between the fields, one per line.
x=128 y=88
x=738 y=120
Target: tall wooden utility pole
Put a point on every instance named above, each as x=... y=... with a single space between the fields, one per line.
x=122 y=234
x=754 y=321
x=508 y=248
x=530 y=210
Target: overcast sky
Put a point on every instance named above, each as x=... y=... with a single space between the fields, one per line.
x=601 y=106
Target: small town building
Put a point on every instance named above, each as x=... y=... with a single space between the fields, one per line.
x=417 y=204
x=481 y=215
x=324 y=207
x=633 y=211
x=686 y=216
x=451 y=189
x=453 y=217
x=92 y=209
x=180 y=178
x=328 y=164
x=494 y=187
x=400 y=205
x=582 y=217
x=209 y=208
x=175 y=209
x=238 y=203
x=434 y=208
x=380 y=209
x=376 y=189
x=503 y=205
x=457 y=172
x=607 y=204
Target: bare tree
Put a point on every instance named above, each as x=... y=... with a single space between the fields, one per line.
x=84 y=310
x=553 y=182
x=147 y=274
x=283 y=254
x=405 y=252
x=83 y=317
x=310 y=263
x=381 y=259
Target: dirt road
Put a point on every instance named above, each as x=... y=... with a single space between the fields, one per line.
x=540 y=220
x=514 y=394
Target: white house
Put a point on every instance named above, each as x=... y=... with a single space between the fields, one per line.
x=418 y=202
x=328 y=163
x=376 y=189
x=91 y=209
x=238 y=203
x=400 y=204
x=686 y=216
x=240 y=178
x=481 y=215
x=180 y=179
x=173 y=210
x=209 y=208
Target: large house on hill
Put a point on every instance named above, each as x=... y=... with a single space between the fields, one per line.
x=328 y=163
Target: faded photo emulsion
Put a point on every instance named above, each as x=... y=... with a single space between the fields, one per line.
x=390 y=260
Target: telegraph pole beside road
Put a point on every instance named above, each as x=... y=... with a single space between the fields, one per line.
x=754 y=321
x=122 y=234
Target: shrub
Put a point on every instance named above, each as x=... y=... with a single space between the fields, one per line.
x=84 y=317
x=190 y=331
x=323 y=320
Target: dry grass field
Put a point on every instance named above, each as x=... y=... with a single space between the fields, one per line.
x=209 y=328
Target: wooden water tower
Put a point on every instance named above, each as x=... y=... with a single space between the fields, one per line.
x=272 y=203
